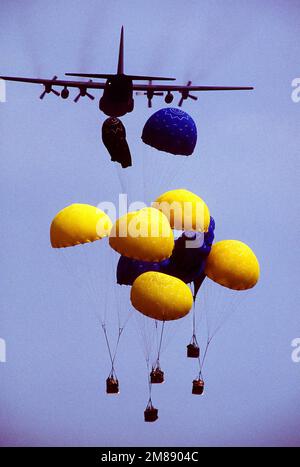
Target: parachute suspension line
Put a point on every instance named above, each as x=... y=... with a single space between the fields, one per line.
x=194 y=340
x=118 y=304
x=91 y=280
x=143 y=176
x=112 y=356
x=106 y=266
x=175 y=171
x=149 y=380
x=149 y=404
x=201 y=363
x=160 y=343
x=208 y=324
x=194 y=319
x=214 y=327
x=165 y=175
x=165 y=171
x=112 y=372
x=121 y=323
x=177 y=176
x=117 y=344
x=72 y=272
x=233 y=305
x=208 y=339
x=156 y=334
x=120 y=179
x=124 y=314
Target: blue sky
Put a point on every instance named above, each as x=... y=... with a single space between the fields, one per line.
x=245 y=167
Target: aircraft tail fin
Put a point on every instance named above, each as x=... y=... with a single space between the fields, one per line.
x=120 y=69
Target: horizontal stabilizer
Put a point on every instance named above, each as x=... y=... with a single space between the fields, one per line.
x=149 y=78
x=91 y=75
x=107 y=76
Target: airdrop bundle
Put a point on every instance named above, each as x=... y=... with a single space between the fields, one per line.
x=166 y=252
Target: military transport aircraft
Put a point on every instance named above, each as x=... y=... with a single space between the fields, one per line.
x=117 y=98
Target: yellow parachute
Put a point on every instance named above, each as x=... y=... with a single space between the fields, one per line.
x=161 y=297
x=77 y=224
x=184 y=209
x=233 y=264
x=145 y=235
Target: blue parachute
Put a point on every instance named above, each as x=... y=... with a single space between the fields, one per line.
x=187 y=261
x=129 y=269
x=191 y=249
x=171 y=130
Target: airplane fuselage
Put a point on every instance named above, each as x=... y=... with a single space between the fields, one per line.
x=117 y=98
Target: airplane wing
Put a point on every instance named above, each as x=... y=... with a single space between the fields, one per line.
x=56 y=82
x=167 y=87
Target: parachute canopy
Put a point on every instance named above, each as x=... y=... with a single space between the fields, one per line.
x=171 y=130
x=187 y=261
x=77 y=224
x=161 y=297
x=233 y=264
x=184 y=209
x=191 y=249
x=114 y=139
x=129 y=269
x=145 y=235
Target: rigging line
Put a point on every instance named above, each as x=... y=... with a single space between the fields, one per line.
x=160 y=342
x=233 y=308
x=140 y=324
x=129 y=314
x=117 y=344
x=204 y=356
x=120 y=179
x=67 y=263
x=208 y=326
x=181 y=169
x=108 y=346
x=206 y=300
x=96 y=272
x=149 y=378
x=194 y=319
x=200 y=369
x=124 y=312
x=118 y=303
x=156 y=334
x=143 y=175
x=89 y=281
x=123 y=320
x=173 y=170
x=106 y=281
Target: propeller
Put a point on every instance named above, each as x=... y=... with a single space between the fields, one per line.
x=149 y=93
x=185 y=94
x=48 y=89
x=83 y=92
